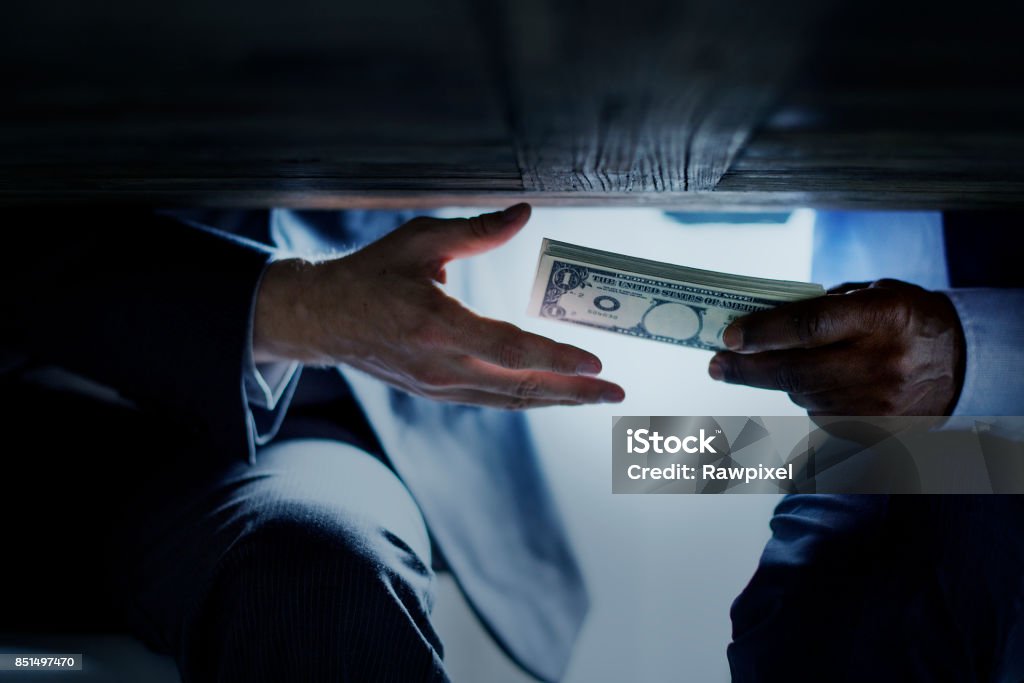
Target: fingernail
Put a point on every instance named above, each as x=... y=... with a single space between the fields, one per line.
x=716 y=370
x=733 y=337
x=588 y=367
x=512 y=213
x=615 y=395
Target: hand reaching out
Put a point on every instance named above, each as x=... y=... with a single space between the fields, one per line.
x=381 y=310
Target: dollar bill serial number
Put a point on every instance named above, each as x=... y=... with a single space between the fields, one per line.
x=43 y=662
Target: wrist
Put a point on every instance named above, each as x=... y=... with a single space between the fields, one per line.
x=284 y=324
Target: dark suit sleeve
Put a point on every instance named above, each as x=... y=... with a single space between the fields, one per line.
x=154 y=307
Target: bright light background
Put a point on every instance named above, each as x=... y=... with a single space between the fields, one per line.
x=662 y=570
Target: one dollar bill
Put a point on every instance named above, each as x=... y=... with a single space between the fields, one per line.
x=649 y=299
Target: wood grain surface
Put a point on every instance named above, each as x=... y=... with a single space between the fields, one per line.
x=688 y=104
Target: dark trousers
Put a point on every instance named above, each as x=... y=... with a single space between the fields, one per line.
x=311 y=565
x=886 y=588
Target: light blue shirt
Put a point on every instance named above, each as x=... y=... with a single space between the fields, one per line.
x=865 y=246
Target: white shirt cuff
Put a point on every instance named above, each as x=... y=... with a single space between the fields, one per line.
x=265 y=383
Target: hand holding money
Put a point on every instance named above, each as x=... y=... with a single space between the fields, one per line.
x=649 y=299
x=381 y=310
x=884 y=348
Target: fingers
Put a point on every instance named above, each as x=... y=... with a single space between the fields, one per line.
x=804 y=324
x=818 y=380
x=439 y=240
x=448 y=391
x=794 y=372
x=469 y=380
x=517 y=385
x=503 y=401
x=505 y=345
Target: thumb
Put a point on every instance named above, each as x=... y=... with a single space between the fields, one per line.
x=445 y=239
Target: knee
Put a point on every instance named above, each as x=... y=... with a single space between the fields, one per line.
x=320 y=523
x=302 y=581
x=292 y=549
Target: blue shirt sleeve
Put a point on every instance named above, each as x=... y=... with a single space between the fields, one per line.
x=993 y=324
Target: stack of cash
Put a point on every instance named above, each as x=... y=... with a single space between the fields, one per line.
x=648 y=299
